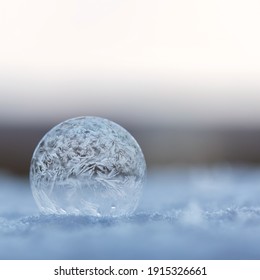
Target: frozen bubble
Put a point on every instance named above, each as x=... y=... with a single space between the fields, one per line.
x=87 y=166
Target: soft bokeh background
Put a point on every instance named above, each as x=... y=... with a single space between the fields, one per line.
x=182 y=76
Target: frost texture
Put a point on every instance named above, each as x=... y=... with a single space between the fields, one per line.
x=87 y=166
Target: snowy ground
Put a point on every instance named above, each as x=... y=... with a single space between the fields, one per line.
x=185 y=213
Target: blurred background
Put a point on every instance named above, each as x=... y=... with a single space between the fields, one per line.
x=181 y=76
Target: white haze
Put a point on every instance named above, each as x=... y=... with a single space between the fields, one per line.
x=194 y=62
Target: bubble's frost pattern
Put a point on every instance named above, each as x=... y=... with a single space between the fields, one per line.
x=87 y=165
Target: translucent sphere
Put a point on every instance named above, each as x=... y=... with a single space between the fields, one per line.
x=87 y=166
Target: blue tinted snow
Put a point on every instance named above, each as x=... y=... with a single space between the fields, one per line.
x=184 y=213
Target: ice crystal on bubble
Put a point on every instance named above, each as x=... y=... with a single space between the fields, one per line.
x=87 y=166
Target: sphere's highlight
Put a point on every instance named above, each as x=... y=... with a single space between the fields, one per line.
x=87 y=166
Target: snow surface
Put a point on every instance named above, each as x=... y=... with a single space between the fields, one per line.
x=184 y=213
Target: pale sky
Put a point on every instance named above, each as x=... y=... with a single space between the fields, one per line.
x=162 y=61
